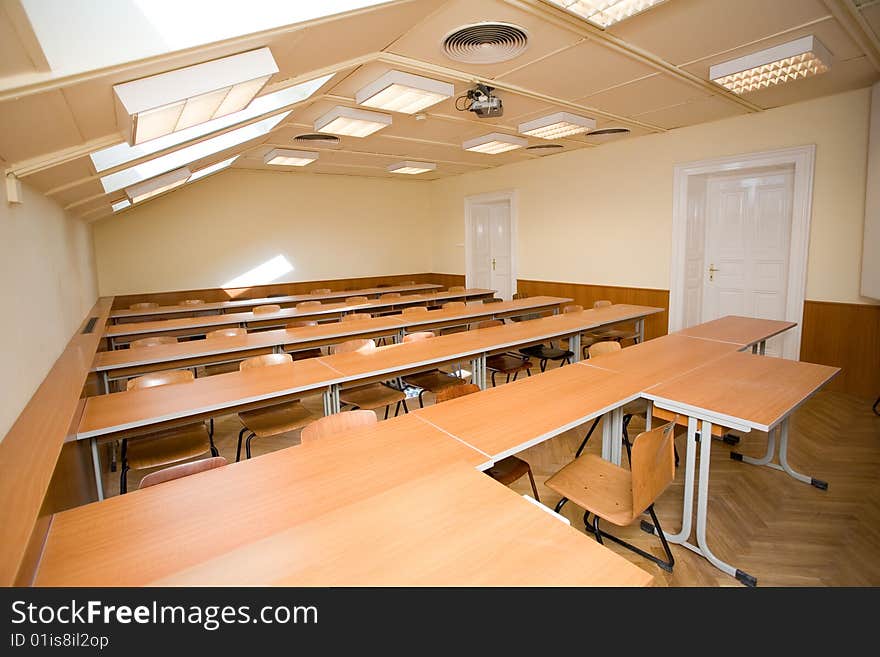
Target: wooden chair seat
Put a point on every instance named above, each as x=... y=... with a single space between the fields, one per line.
x=506 y=471
x=508 y=364
x=265 y=422
x=598 y=485
x=371 y=397
x=181 y=470
x=613 y=334
x=433 y=381
x=167 y=447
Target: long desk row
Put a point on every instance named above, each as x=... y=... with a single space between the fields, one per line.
x=223 y=306
x=200 y=325
x=559 y=399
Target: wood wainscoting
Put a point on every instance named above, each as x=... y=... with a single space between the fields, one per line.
x=846 y=335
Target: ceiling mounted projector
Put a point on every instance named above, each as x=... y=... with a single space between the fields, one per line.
x=481 y=102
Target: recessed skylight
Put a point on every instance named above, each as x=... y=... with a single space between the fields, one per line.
x=113 y=156
x=288 y=157
x=154 y=186
x=605 y=13
x=214 y=168
x=184 y=156
x=555 y=126
x=120 y=205
x=412 y=168
x=397 y=91
x=494 y=143
x=352 y=122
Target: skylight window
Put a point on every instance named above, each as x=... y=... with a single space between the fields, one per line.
x=113 y=156
x=214 y=168
x=184 y=156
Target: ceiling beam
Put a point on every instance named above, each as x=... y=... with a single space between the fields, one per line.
x=580 y=26
x=855 y=25
x=271 y=144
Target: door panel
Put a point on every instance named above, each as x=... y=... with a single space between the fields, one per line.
x=491 y=260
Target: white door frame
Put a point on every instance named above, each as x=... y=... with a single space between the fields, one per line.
x=803 y=159
x=510 y=195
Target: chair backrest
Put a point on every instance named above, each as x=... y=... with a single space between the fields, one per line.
x=192 y=302
x=653 y=465
x=604 y=347
x=488 y=323
x=266 y=360
x=143 y=306
x=321 y=290
x=226 y=333
x=363 y=346
x=418 y=336
x=572 y=308
x=602 y=303
x=160 y=379
x=353 y=300
x=268 y=309
x=154 y=341
x=452 y=392
x=301 y=323
x=337 y=423
x=354 y=317
x=520 y=295
x=456 y=288
x=182 y=470
x=415 y=309
x=451 y=305
x=307 y=304
x=493 y=300
x=391 y=295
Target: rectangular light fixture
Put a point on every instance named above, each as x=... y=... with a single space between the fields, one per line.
x=214 y=168
x=120 y=205
x=554 y=126
x=351 y=122
x=411 y=167
x=783 y=63
x=397 y=91
x=604 y=13
x=149 y=188
x=285 y=157
x=494 y=143
x=165 y=103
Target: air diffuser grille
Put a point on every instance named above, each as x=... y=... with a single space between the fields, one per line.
x=485 y=43
x=543 y=149
x=317 y=139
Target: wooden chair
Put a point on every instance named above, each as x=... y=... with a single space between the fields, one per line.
x=390 y=295
x=154 y=341
x=373 y=395
x=164 y=447
x=611 y=333
x=273 y=420
x=507 y=470
x=586 y=339
x=222 y=368
x=544 y=354
x=410 y=310
x=354 y=317
x=337 y=423
x=268 y=309
x=305 y=305
x=302 y=354
x=456 y=288
x=504 y=363
x=180 y=471
x=147 y=305
x=620 y=496
x=433 y=381
x=356 y=300
x=321 y=290
x=454 y=305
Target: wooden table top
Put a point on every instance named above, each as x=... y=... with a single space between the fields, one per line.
x=136 y=356
x=744 y=331
x=293 y=298
x=745 y=389
x=285 y=314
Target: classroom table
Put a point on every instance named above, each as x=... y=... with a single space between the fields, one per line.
x=125 y=363
x=200 y=325
x=222 y=306
x=739 y=391
x=395 y=504
x=745 y=331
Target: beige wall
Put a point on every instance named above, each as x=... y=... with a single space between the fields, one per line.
x=604 y=215
x=48 y=274
x=206 y=234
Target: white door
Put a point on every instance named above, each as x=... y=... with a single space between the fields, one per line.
x=490 y=263
x=747 y=247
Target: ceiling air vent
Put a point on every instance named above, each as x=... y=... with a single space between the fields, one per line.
x=544 y=149
x=317 y=139
x=607 y=131
x=485 y=43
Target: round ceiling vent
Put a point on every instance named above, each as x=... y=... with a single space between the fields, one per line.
x=485 y=43
x=607 y=131
x=544 y=149
x=317 y=139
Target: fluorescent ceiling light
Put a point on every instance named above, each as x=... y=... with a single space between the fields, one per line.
x=494 y=143
x=411 y=167
x=120 y=205
x=286 y=157
x=351 y=122
x=161 y=104
x=214 y=168
x=554 y=126
x=153 y=186
x=113 y=156
x=605 y=13
x=184 y=156
x=397 y=91
x=784 y=63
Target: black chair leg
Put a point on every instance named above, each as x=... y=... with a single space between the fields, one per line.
x=123 y=480
x=587 y=437
x=493 y=377
x=405 y=408
x=247 y=444
x=238 y=449
x=421 y=398
x=506 y=380
x=396 y=409
x=587 y=520
x=560 y=504
x=596 y=531
x=665 y=565
x=534 y=487
x=543 y=364
x=670 y=561
x=386 y=412
x=626 y=442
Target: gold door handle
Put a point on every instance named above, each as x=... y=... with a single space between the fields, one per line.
x=493 y=264
x=712 y=270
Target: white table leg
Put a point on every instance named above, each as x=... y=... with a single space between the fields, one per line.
x=783 y=465
x=687 y=507
x=574 y=346
x=762 y=347
x=612 y=435
x=96 y=464
x=640 y=329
